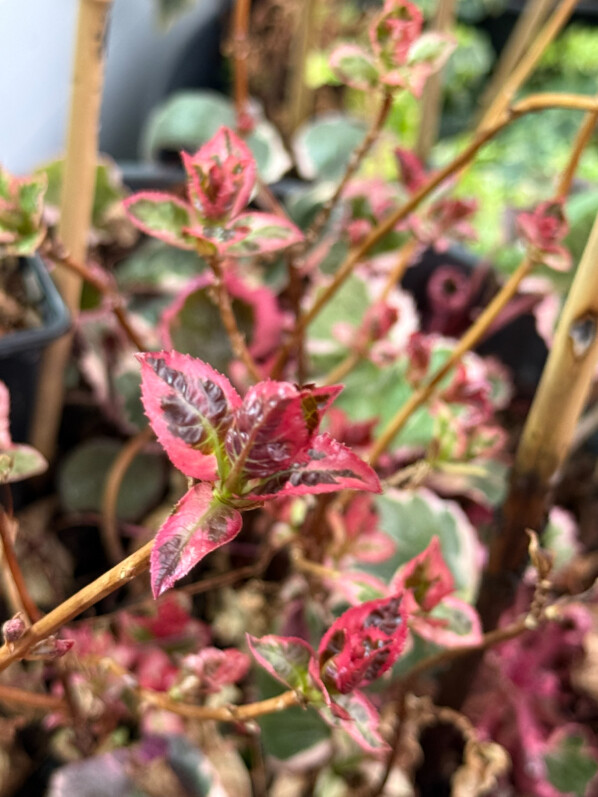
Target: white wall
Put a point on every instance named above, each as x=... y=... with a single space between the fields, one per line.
x=35 y=59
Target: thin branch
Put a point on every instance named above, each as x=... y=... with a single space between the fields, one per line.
x=230 y=322
x=582 y=139
x=104 y=287
x=431 y=101
x=528 y=63
x=531 y=104
x=113 y=579
x=354 y=163
x=231 y=713
x=298 y=93
x=394 y=277
x=470 y=339
x=533 y=15
x=13 y=696
x=240 y=56
x=109 y=525
x=12 y=563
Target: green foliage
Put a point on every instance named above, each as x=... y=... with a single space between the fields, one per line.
x=324 y=145
x=571 y=766
x=190 y=118
x=83 y=474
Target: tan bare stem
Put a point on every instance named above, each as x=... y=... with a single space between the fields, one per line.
x=527 y=63
x=298 y=93
x=431 y=102
x=109 y=524
x=581 y=141
x=75 y=206
x=240 y=54
x=63 y=259
x=354 y=163
x=533 y=16
x=471 y=338
x=13 y=566
x=13 y=696
x=548 y=432
x=225 y=713
x=532 y=104
x=113 y=579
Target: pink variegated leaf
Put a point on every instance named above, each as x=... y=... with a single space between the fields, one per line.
x=427 y=576
x=363 y=643
x=356 y=531
x=363 y=723
x=5 y=438
x=327 y=466
x=257 y=233
x=190 y=407
x=221 y=176
x=452 y=623
x=315 y=401
x=199 y=524
x=270 y=431
x=170 y=623
x=215 y=668
x=394 y=31
x=162 y=216
x=286 y=658
x=353 y=66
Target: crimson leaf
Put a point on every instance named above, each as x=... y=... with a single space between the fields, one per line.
x=190 y=407
x=327 y=466
x=199 y=524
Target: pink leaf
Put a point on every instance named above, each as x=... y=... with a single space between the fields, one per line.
x=328 y=466
x=216 y=668
x=428 y=577
x=395 y=30
x=162 y=216
x=170 y=623
x=190 y=407
x=256 y=233
x=198 y=525
x=5 y=438
x=362 y=723
x=544 y=230
x=270 y=429
x=221 y=176
x=363 y=643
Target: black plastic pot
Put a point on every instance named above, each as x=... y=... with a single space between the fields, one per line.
x=21 y=351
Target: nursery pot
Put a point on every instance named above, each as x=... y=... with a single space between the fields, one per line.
x=21 y=350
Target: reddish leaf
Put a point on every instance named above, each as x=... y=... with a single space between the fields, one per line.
x=221 y=176
x=269 y=431
x=362 y=723
x=198 y=525
x=5 y=438
x=327 y=467
x=428 y=577
x=170 y=623
x=49 y=649
x=162 y=216
x=216 y=668
x=256 y=233
x=190 y=407
x=395 y=30
x=544 y=230
x=363 y=643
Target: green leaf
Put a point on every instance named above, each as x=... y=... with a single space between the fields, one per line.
x=571 y=766
x=20 y=462
x=190 y=118
x=82 y=478
x=412 y=519
x=198 y=329
x=156 y=264
x=324 y=146
x=162 y=216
